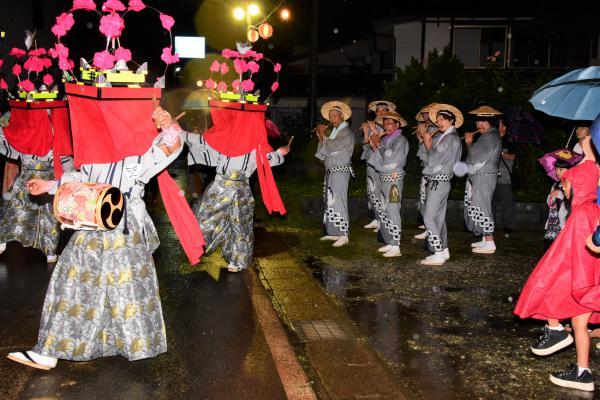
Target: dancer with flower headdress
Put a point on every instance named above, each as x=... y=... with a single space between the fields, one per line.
x=103 y=297
x=37 y=134
x=237 y=146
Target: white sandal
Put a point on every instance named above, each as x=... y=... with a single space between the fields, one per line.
x=28 y=358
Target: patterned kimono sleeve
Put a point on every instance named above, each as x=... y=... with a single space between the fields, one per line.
x=155 y=160
x=67 y=163
x=479 y=153
x=332 y=147
x=200 y=152
x=6 y=149
x=275 y=158
x=68 y=176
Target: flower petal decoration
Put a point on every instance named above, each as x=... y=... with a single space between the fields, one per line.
x=240 y=66
x=34 y=64
x=113 y=5
x=136 y=5
x=228 y=53
x=27 y=85
x=247 y=85
x=16 y=52
x=65 y=64
x=3 y=84
x=277 y=67
x=83 y=5
x=112 y=25
x=167 y=21
x=38 y=52
x=210 y=84
x=236 y=85
x=215 y=66
x=46 y=62
x=259 y=56
x=123 y=54
x=222 y=87
x=167 y=57
x=274 y=86
x=104 y=60
x=64 y=22
x=1 y=62
x=224 y=68
x=59 y=51
x=253 y=67
x=48 y=80
x=17 y=69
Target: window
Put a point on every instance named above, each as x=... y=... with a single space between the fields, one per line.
x=474 y=45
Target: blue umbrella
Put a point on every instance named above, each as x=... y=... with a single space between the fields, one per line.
x=574 y=96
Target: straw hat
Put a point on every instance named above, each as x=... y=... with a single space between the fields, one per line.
x=441 y=107
x=486 y=111
x=336 y=105
x=381 y=103
x=419 y=116
x=391 y=115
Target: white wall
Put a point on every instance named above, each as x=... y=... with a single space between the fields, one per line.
x=436 y=36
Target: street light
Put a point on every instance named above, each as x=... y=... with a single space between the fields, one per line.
x=253 y=9
x=239 y=13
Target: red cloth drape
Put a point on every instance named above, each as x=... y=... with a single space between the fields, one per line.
x=238 y=129
x=32 y=131
x=107 y=130
x=184 y=222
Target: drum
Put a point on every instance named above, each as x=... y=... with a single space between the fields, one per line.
x=88 y=206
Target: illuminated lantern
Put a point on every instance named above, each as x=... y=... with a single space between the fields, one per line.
x=265 y=30
x=252 y=35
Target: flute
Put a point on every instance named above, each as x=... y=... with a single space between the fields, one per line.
x=470 y=133
x=315 y=129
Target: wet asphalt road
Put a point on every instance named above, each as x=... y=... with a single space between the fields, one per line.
x=216 y=348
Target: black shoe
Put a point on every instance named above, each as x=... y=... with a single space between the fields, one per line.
x=569 y=379
x=551 y=341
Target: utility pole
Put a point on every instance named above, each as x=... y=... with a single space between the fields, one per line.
x=314 y=54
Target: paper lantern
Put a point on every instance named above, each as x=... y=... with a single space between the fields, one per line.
x=265 y=30
x=252 y=35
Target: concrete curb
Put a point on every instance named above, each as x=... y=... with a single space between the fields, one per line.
x=344 y=364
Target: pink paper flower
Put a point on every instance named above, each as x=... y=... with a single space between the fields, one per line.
x=227 y=53
x=253 y=67
x=46 y=62
x=38 y=52
x=15 y=51
x=258 y=56
x=224 y=69
x=16 y=69
x=123 y=54
x=3 y=84
x=104 y=60
x=215 y=66
x=247 y=85
x=27 y=85
x=34 y=64
x=167 y=21
x=274 y=86
x=222 y=87
x=210 y=84
x=136 y=5
x=169 y=58
x=277 y=67
x=65 y=64
x=249 y=54
x=240 y=66
x=48 y=80
x=83 y=5
x=59 y=51
x=64 y=22
x=236 y=85
x=112 y=25
x=113 y=5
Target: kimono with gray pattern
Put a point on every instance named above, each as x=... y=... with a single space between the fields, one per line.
x=483 y=157
x=226 y=210
x=103 y=297
x=25 y=218
x=336 y=155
